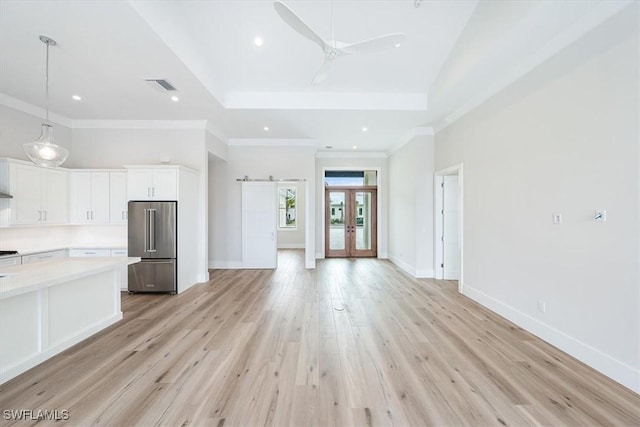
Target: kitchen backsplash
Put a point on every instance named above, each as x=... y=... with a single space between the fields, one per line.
x=36 y=238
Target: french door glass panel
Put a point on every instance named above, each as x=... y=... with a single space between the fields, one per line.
x=362 y=214
x=337 y=220
x=350 y=222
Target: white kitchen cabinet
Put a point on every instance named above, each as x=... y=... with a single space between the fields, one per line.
x=9 y=261
x=40 y=195
x=152 y=183
x=89 y=197
x=43 y=256
x=118 y=197
x=89 y=253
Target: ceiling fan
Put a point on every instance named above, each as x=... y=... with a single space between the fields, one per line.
x=334 y=49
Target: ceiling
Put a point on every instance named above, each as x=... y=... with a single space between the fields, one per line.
x=457 y=53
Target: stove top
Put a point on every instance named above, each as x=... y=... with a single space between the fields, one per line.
x=4 y=253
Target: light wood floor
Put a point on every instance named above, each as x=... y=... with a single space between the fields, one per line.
x=255 y=348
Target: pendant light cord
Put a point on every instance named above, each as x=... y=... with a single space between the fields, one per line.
x=46 y=87
x=333 y=36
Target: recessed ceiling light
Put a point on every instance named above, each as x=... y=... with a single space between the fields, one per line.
x=355 y=147
x=266 y=128
x=364 y=129
x=77 y=97
x=398 y=45
x=175 y=98
x=257 y=41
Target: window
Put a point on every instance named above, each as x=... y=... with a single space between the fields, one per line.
x=350 y=178
x=287 y=208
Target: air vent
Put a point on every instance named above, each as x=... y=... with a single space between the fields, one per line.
x=161 y=84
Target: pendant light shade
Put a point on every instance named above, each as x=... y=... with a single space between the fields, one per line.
x=43 y=151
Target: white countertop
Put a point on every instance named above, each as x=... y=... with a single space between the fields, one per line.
x=26 y=252
x=20 y=279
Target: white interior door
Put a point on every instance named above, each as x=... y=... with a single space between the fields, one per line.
x=259 y=222
x=451 y=232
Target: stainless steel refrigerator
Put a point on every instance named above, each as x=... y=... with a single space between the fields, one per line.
x=153 y=235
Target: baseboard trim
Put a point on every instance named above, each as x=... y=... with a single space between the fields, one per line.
x=291 y=246
x=224 y=265
x=424 y=274
x=406 y=267
x=618 y=371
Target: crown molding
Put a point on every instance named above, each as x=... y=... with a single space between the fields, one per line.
x=33 y=110
x=413 y=133
x=216 y=132
x=271 y=142
x=326 y=101
x=350 y=155
x=140 y=124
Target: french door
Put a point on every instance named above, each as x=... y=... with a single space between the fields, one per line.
x=351 y=222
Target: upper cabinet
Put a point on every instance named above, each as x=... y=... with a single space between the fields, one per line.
x=40 y=195
x=152 y=183
x=118 y=197
x=89 y=196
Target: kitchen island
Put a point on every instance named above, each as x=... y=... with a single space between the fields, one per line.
x=46 y=307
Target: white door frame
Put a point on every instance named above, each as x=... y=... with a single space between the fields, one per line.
x=438 y=220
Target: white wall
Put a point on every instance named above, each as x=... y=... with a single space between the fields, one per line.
x=563 y=139
x=217 y=216
x=357 y=163
x=411 y=206
x=225 y=210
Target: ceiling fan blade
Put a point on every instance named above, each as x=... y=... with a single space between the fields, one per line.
x=297 y=24
x=377 y=44
x=322 y=73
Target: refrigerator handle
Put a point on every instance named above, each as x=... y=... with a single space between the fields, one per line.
x=146 y=230
x=152 y=230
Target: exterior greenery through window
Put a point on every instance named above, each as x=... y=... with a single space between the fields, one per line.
x=287 y=208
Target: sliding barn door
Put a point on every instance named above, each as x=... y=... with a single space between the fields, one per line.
x=259 y=221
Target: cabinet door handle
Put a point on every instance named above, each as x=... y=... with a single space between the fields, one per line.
x=39 y=215
x=45 y=215
x=126 y=215
x=91 y=214
x=149 y=191
x=88 y=215
x=121 y=214
x=153 y=191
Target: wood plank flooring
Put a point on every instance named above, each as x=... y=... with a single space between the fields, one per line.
x=352 y=343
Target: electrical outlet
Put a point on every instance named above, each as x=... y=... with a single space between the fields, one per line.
x=557 y=218
x=542 y=306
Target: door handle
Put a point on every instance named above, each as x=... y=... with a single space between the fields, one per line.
x=146 y=230
x=152 y=230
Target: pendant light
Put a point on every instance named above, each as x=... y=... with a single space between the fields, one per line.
x=43 y=151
